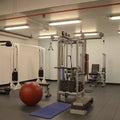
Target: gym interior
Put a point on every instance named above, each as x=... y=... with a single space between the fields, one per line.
x=59 y=59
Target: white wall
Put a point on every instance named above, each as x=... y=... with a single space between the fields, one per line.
x=113 y=58
x=28 y=64
x=95 y=49
x=28 y=5
x=5 y=65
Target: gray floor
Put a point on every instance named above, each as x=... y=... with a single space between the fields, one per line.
x=106 y=105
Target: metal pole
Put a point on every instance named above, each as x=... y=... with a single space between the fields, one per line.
x=77 y=86
x=58 y=71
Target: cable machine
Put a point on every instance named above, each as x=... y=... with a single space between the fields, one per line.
x=71 y=77
x=97 y=77
x=41 y=70
x=15 y=82
x=5 y=89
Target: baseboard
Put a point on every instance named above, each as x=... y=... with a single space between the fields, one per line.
x=51 y=80
x=30 y=80
x=106 y=83
x=4 y=85
x=113 y=83
x=21 y=82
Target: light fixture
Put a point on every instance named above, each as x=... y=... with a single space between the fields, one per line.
x=118 y=31
x=47 y=36
x=87 y=34
x=44 y=37
x=16 y=27
x=114 y=17
x=90 y=35
x=64 y=22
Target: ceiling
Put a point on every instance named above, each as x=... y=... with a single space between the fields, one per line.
x=94 y=16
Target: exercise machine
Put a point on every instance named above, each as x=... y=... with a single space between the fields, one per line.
x=5 y=90
x=98 y=75
x=15 y=83
x=41 y=71
x=71 y=73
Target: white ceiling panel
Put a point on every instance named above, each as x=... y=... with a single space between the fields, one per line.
x=13 y=6
x=93 y=19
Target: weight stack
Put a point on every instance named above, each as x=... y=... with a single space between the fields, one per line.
x=41 y=73
x=72 y=86
x=15 y=75
x=64 y=85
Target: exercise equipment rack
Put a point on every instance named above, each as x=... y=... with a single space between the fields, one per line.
x=71 y=73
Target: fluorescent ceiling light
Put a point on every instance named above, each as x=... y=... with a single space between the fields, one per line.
x=44 y=37
x=64 y=22
x=47 y=36
x=16 y=27
x=87 y=34
x=91 y=34
x=119 y=32
x=115 y=17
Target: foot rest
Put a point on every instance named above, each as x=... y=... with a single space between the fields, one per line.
x=81 y=105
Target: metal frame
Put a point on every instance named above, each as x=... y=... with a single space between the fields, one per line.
x=15 y=52
x=63 y=43
x=40 y=80
x=15 y=82
x=100 y=77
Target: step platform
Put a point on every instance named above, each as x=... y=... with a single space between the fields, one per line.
x=81 y=105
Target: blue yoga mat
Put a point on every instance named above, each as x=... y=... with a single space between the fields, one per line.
x=51 y=110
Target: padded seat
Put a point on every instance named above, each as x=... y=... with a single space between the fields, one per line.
x=94 y=75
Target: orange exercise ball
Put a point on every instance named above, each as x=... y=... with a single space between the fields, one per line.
x=30 y=93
